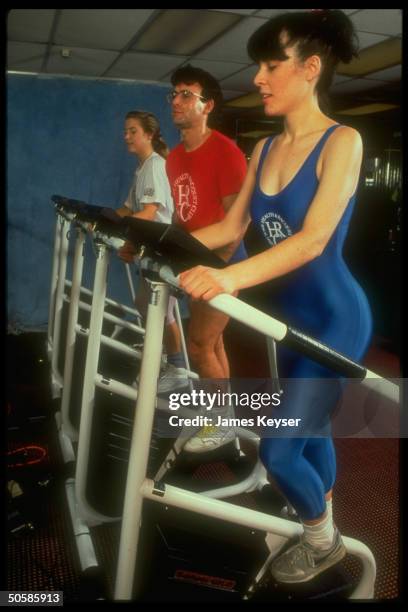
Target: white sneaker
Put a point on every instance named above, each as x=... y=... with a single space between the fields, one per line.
x=209 y=438
x=172 y=378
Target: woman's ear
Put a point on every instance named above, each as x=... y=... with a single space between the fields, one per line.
x=313 y=65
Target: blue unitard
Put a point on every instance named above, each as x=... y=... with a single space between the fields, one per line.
x=323 y=300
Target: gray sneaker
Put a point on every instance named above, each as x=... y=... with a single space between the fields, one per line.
x=303 y=562
x=172 y=378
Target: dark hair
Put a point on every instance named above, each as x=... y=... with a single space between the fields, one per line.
x=211 y=89
x=151 y=126
x=327 y=33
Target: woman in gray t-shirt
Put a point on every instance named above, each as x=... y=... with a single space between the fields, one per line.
x=150 y=195
x=150 y=198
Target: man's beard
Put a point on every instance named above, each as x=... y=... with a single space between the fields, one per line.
x=182 y=124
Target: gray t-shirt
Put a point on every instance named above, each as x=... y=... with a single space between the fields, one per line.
x=150 y=185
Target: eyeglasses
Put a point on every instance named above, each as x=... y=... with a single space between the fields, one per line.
x=185 y=94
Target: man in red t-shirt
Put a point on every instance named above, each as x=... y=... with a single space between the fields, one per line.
x=205 y=171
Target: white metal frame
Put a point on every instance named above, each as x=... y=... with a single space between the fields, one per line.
x=54 y=281
x=59 y=283
x=57 y=304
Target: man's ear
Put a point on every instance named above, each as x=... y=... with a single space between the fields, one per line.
x=209 y=106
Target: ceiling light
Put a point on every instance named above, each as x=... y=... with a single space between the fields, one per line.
x=367 y=109
x=256 y=133
x=247 y=101
x=383 y=55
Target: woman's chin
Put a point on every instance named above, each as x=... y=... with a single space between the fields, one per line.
x=270 y=111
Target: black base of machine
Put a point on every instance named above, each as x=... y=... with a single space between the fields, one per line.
x=112 y=364
x=188 y=557
x=185 y=556
x=110 y=441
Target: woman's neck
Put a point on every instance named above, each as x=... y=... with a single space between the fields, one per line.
x=145 y=155
x=305 y=120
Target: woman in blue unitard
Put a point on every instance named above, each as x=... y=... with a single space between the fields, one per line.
x=299 y=193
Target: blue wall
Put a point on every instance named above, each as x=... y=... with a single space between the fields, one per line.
x=65 y=136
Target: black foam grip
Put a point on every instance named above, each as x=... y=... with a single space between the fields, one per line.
x=106 y=219
x=86 y=212
x=177 y=247
x=323 y=354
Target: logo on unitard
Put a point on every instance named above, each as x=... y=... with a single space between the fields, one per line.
x=186 y=196
x=274 y=228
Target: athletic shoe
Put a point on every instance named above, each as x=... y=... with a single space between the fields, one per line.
x=209 y=438
x=303 y=562
x=172 y=378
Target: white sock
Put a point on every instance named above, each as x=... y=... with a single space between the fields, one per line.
x=320 y=535
x=329 y=507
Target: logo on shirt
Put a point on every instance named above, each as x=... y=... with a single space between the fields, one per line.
x=274 y=228
x=149 y=192
x=186 y=197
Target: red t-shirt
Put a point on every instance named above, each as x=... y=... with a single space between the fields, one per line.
x=199 y=179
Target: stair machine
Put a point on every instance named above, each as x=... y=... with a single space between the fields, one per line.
x=88 y=508
x=166 y=260
x=149 y=498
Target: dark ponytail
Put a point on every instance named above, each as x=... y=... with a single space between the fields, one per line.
x=327 y=33
x=151 y=126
